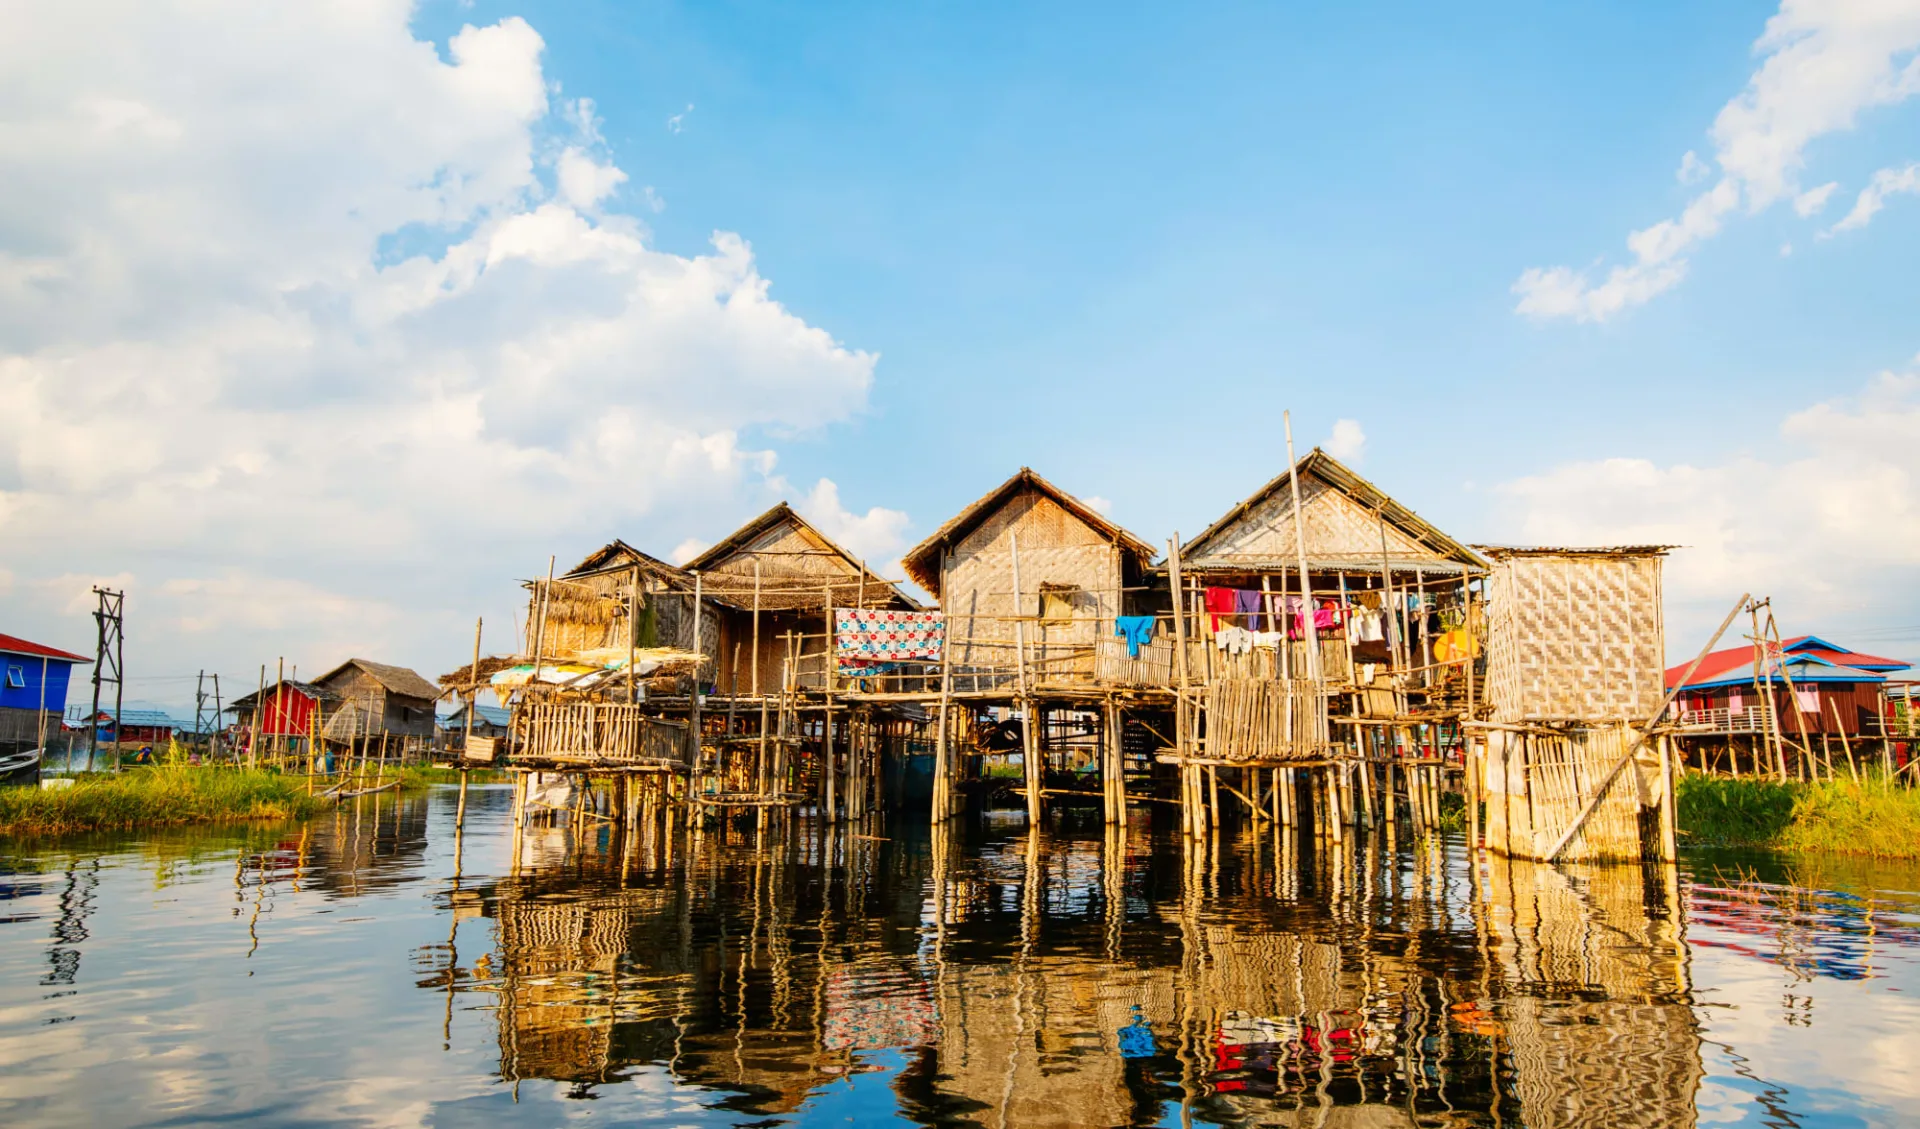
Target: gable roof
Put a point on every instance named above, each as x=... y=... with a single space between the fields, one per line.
x=922 y=561
x=305 y=689
x=143 y=718
x=395 y=679
x=1814 y=645
x=1803 y=669
x=1735 y=664
x=787 y=580
x=1337 y=475
x=618 y=555
x=14 y=645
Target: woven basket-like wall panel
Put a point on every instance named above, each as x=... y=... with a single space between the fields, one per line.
x=1575 y=637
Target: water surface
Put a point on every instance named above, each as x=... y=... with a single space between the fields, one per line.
x=354 y=970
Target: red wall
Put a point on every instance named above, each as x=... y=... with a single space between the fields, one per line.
x=287 y=713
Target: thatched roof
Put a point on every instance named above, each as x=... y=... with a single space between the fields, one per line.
x=923 y=560
x=798 y=566
x=1421 y=543
x=456 y=681
x=394 y=679
x=618 y=556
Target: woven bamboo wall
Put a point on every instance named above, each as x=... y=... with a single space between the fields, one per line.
x=1337 y=529
x=1575 y=637
x=1056 y=548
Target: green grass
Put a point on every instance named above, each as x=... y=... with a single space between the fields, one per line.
x=154 y=797
x=1871 y=818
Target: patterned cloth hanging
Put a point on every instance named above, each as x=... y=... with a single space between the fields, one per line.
x=869 y=641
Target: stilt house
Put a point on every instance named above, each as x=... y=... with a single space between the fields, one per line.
x=374 y=700
x=777 y=575
x=1028 y=562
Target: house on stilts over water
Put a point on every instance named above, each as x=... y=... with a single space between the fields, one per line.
x=1319 y=656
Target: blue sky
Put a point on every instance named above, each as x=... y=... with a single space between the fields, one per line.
x=1107 y=243
x=373 y=314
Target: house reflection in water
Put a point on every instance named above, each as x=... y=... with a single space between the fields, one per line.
x=1049 y=980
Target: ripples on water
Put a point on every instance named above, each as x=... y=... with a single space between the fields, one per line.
x=343 y=972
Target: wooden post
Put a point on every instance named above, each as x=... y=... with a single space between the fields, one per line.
x=1840 y=728
x=1669 y=837
x=1181 y=739
x=1029 y=739
x=1300 y=551
x=827 y=780
x=693 y=707
x=943 y=752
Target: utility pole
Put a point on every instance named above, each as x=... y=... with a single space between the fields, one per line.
x=109 y=653
x=200 y=704
x=219 y=726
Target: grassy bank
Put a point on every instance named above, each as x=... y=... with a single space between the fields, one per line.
x=421 y=775
x=154 y=797
x=1869 y=818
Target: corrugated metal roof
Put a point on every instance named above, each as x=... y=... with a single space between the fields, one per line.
x=491 y=715
x=14 y=645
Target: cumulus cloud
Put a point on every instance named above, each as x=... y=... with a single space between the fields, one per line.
x=877 y=535
x=1814 y=200
x=322 y=333
x=1826 y=519
x=1346 y=442
x=1885 y=183
x=1823 y=63
x=1099 y=505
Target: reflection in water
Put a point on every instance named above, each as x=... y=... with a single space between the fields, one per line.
x=354 y=970
x=1046 y=979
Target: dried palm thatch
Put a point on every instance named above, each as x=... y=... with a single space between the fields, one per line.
x=455 y=681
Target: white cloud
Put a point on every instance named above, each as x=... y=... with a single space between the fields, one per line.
x=332 y=374
x=1692 y=169
x=1099 y=505
x=877 y=535
x=1885 y=183
x=688 y=549
x=1823 y=63
x=1826 y=519
x=1346 y=442
x=678 y=122
x=584 y=182
x=1813 y=200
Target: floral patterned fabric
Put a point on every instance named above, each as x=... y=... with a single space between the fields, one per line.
x=870 y=641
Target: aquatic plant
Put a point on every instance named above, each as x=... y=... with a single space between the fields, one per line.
x=154 y=797
x=1872 y=817
x=1730 y=811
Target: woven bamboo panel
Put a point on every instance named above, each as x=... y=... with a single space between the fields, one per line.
x=1056 y=550
x=1575 y=637
x=1266 y=720
x=1335 y=527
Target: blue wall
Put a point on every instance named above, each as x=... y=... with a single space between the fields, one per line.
x=28 y=697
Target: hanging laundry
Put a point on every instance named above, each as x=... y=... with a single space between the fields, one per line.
x=1326 y=617
x=1270 y=640
x=1246 y=602
x=868 y=641
x=1234 y=640
x=1137 y=630
x=1296 y=618
x=1221 y=602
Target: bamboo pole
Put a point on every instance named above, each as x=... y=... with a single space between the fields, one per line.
x=1180 y=721
x=1029 y=739
x=694 y=752
x=943 y=754
x=1847 y=745
x=826 y=724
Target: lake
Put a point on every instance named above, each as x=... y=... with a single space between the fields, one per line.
x=372 y=968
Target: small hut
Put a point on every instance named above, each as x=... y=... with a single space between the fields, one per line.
x=1029 y=557
x=1575 y=651
x=385 y=701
